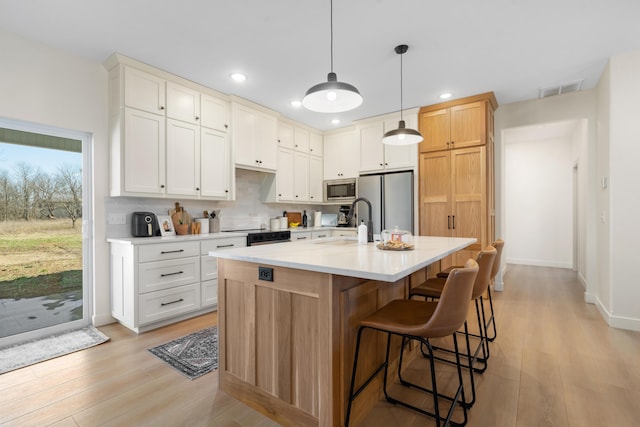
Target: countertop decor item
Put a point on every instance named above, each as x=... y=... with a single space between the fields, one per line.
x=332 y=96
x=402 y=135
x=193 y=355
x=166 y=225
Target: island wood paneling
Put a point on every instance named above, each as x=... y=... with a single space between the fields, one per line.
x=288 y=344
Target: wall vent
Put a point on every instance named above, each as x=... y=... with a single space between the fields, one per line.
x=559 y=90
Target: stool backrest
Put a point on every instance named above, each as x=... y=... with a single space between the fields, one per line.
x=485 y=260
x=498 y=244
x=453 y=304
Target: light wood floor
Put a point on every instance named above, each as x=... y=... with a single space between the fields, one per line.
x=555 y=363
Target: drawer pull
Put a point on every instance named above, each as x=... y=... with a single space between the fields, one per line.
x=225 y=246
x=171 y=302
x=171 y=252
x=171 y=274
x=300 y=238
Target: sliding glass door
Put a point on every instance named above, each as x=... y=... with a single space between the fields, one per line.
x=45 y=251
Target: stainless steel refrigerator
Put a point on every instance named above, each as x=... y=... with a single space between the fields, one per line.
x=391 y=197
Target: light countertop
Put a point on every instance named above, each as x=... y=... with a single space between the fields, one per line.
x=171 y=239
x=344 y=256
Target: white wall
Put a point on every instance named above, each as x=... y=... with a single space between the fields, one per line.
x=47 y=86
x=571 y=106
x=538 y=201
x=624 y=194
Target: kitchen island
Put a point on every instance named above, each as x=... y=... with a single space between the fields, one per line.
x=288 y=315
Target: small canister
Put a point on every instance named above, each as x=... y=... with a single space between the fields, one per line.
x=284 y=224
x=204 y=225
x=275 y=224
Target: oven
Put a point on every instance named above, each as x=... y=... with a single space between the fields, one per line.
x=262 y=237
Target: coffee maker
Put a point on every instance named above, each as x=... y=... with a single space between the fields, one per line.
x=342 y=216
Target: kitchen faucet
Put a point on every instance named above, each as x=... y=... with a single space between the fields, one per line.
x=369 y=223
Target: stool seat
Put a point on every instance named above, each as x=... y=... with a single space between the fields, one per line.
x=402 y=317
x=431 y=288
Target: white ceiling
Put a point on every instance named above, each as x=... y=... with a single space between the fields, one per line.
x=510 y=47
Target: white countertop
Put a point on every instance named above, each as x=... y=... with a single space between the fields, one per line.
x=170 y=239
x=346 y=257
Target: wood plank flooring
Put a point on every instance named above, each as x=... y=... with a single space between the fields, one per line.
x=555 y=363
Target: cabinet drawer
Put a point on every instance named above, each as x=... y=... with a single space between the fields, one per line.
x=160 y=305
x=302 y=235
x=209 y=290
x=208 y=267
x=345 y=233
x=168 y=251
x=153 y=276
x=224 y=243
x=319 y=234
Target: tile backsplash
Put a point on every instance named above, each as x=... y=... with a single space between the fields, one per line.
x=247 y=211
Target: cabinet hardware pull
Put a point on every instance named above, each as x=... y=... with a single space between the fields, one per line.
x=225 y=246
x=197 y=118
x=226 y=126
x=161 y=107
x=197 y=188
x=381 y=164
x=171 y=274
x=226 y=191
x=448 y=219
x=300 y=238
x=171 y=252
x=161 y=185
x=171 y=302
x=453 y=217
x=322 y=235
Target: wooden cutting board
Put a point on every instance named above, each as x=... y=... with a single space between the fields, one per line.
x=294 y=217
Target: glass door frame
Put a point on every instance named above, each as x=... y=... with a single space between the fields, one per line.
x=88 y=228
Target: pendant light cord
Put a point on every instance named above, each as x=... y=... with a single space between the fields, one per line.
x=331 y=27
x=401 y=86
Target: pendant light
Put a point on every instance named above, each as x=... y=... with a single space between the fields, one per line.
x=402 y=135
x=332 y=96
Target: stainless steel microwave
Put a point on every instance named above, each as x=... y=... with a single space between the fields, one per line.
x=341 y=190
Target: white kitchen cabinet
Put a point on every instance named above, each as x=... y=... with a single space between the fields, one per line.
x=142 y=91
x=157 y=148
x=285 y=175
x=315 y=144
x=320 y=234
x=183 y=158
x=301 y=140
x=254 y=138
x=183 y=103
x=215 y=164
x=315 y=179
x=214 y=113
x=209 y=266
x=346 y=232
x=376 y=156
x=300 y=235
x=285 y=135
x=156 y=283
x=139 y=168
x=300 y=176
x=341 y=155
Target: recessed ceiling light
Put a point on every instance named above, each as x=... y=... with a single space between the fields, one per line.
x=335 y=121
x=238 y=77
x=446 y=95
x=296 y=103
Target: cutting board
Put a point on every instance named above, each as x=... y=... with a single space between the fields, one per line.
x=294 y=217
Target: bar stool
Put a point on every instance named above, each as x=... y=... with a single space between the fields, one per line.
x=432 y=288
x=422 y=320
x=498 y=244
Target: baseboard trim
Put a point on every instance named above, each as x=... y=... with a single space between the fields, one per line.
x=498 y=284
x=102 y=319
x=539 y=263
x=618 y=322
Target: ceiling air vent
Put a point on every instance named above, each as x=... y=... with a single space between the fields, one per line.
x=559 y=90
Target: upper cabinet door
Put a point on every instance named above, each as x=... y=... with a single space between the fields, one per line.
x=301 y=140
x=435 y=129
x=183 y=158
x=214 y=113
x=183 y=103
x=315 y=144
x=143 y=154
x=468 y=125
x=143 y=91
x=371 y=148
x=285 y=135
x=266 y=140
x=214 y=164
x=400 y=156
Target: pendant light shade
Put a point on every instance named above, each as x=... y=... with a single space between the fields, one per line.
x=332 y=96
x=402 y=135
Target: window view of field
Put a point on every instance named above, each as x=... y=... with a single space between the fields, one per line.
x=40 y=245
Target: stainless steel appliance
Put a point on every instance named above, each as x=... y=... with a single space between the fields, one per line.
x=144 y=224
x=391 y=197
x=341 y=190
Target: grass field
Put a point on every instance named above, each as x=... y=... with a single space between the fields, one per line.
x=40 y=257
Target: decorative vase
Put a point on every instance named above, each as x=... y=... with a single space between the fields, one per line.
x=182 y=229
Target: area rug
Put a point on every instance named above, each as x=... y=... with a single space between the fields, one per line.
x=30 y=352
x=193 y=355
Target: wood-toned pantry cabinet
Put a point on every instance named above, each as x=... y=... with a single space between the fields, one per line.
x=456 y=173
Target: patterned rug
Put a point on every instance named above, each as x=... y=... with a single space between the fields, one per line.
x=193 y=355
x=25 y=354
